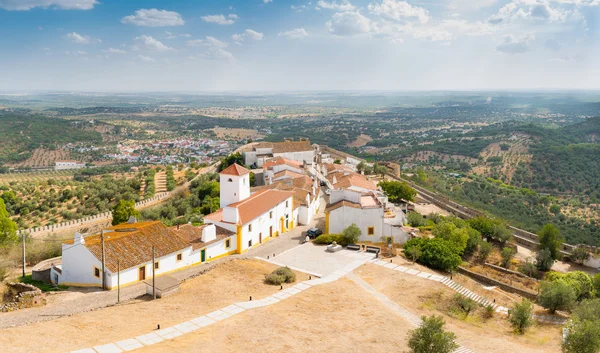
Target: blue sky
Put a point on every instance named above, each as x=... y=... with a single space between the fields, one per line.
x=294 y=45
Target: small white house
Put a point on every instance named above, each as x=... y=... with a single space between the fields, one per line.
x=368 y=211
x=299 y=151
x=65 y=165
x=255 y=218
x=128 y=253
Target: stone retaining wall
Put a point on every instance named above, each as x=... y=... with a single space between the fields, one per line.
x=492 y=282
x=22 y=296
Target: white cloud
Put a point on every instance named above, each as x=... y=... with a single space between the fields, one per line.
x=209 y=41
x=114 y=51
x=399 y=10
x=145 y=42
x=24 y=5
x=344 y=5
x=77 y=53
x=512 y=45
x=267 y=1
x=81 y=38
x=297 y=33
x=536 y=11
x=249 y=33
x=221 y=19
x=215 y=49
x=154 y=18
x=298 y=8
x=145 y=59
x=348 y=23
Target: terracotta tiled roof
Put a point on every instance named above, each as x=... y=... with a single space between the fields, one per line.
x=340 y=204
x=259 y=203
x=351 y=179
x=193 y=235
x=287 y=173
x=279 y=161
x=216 y=216
x=235 y=169
x=131 y=244
x=287 y=146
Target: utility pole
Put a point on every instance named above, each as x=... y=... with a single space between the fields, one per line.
x=153 y=275
x=118 y=281
x=103 y=260
x=23 y=236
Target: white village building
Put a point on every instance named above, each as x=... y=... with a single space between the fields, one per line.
x=299 y=151
x=65 y=165
x=255 y=218
x=127 y=252
x=355 y=199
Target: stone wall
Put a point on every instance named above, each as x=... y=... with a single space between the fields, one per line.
x=41 y=271
x=492 y=282
x=22 y=296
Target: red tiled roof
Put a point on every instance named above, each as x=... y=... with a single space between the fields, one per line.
x=287 y=146
x=279 y=161
x=235 y=169
x=131 y=244
x=259 y=203
x=193 y=235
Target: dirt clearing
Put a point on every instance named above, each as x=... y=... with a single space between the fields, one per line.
x=228 y=283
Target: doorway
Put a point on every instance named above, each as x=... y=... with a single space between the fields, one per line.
x=142 y=273
x=260 y=238
x=270 y=231
x=203 y=255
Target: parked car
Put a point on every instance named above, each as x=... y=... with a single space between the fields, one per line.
x=314 y=232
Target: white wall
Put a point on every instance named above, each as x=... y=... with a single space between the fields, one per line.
x=337 y=195
x=167 y=263
x=302 y=156
x=235 y=190
x=342 y=217
x=78 y=265
x=262 y=224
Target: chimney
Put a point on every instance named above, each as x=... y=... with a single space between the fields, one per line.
x=78 y=239
x=209 y=233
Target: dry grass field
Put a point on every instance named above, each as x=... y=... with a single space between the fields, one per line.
x=361 y=140
x=236 y=134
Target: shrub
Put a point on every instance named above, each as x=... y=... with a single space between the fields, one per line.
x=549 y=238
x=485 y=249
x=544 y=260
x=435 y=253
x=520 y=316
x=431 y=337
x=529 y=268
x=465 y=304
x=584 y=330
x=415 y=219
x=580 y=282
x=349 y=235
x=556 y=295
x=507 y=254
x=280 y=276
x=488 y=312
x=580 y=255
x=325 y=239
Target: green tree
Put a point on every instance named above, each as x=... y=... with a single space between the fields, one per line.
x=555 y=209
x=596 y=283
x=507 y=255
x=584 y=329
x=8 y=228
x=431 y=337
x=473 y=241
x=415 y=219
x=449 y=231
x=549 y=238
x=397 y=190
x=350 y=235
x=379 y=169
x=231 y=159
x=556 y=295
x=544 y=260
x=360 y=167
x=123 y=210
x=485 y=249
x=436 y=253
x=520 y=316
x=580 y=255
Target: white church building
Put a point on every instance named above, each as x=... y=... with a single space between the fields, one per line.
x=254 y=218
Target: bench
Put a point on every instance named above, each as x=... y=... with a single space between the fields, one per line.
x=373 y=249
x=353 y=247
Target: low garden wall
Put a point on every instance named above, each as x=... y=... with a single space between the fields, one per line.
x=21 y=296
x=492 y=282
x=41 y=271
x=502 y=269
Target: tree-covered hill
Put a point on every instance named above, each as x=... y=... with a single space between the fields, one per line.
x=21 y=134
x=565 y=159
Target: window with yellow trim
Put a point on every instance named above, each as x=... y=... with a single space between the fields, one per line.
x=179 y=257
x=97 y=272
x=371 y=231
x=227 y=243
